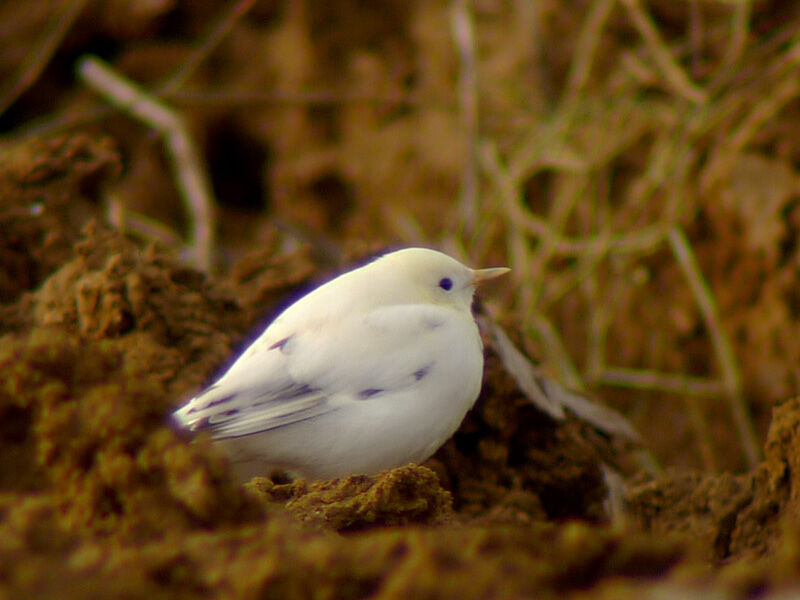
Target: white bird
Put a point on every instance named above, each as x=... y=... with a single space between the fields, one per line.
x=370 y=371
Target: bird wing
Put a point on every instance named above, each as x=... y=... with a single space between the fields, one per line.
x=321 y=367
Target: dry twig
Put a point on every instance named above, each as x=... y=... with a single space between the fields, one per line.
x=37 y=60
x=185 y=160
x=731 y=376
x=223 y=27
x=674 y=75
x=464 y=37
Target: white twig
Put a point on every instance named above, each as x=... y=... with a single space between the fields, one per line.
x=185 y=160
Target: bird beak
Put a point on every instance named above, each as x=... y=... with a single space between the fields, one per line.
x=481 y=275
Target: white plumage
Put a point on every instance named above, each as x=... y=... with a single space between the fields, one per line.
x=370 y=371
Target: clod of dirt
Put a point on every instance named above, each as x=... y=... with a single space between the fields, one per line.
x=731 y=516
x=701 y=506
x=266 y=275
x=274 y=559
x=168 y=319
x=48 y=189
x=508 y=460
x=93 y=363
x=410 y=494
x=92 y=435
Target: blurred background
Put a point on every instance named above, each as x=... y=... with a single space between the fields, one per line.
x=634 y=162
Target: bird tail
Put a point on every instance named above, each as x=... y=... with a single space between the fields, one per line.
x=182 y=417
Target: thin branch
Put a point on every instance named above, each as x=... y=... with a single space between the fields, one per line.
x=224 y=26
x=673 y=74
x=551 y=339
x=185 y=160
x=37 y=60
x=464 y=37
x=731 y=375
x=740 y=29
x=764 y=111
x=237 y=100
x=585 y=52
x=673 y=384
x=520 y=218
x=599 y=325
x=696 y=35
x=508 y=199
x=131 y=222
x=651 y=380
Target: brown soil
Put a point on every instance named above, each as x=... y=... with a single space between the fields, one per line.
x=105 y=326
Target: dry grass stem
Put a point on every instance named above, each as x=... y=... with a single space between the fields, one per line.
x=130 y=222
x=235 y=101
x=691 y=388
x=645 y=379
x=516 y=243
x=731 y=375
x=739 y=31
x=674 y=76
x=38 y=58
x=764 y=111
x=560 y=358
x=464 y=37
x=185 y=160
x=222 y=28
x=585 y=53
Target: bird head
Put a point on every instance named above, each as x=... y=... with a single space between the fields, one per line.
x=424 y=275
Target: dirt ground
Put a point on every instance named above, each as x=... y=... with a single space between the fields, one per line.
x=635 y=164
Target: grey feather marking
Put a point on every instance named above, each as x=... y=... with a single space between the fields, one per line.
x=250 y=420
x=292 y=392
x=432 y=323
x=216 y=402
x=369 y=393
x=422 y=372
x=280 y=344
x=255 y=410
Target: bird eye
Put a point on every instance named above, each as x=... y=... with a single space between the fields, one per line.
x=446 y=283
